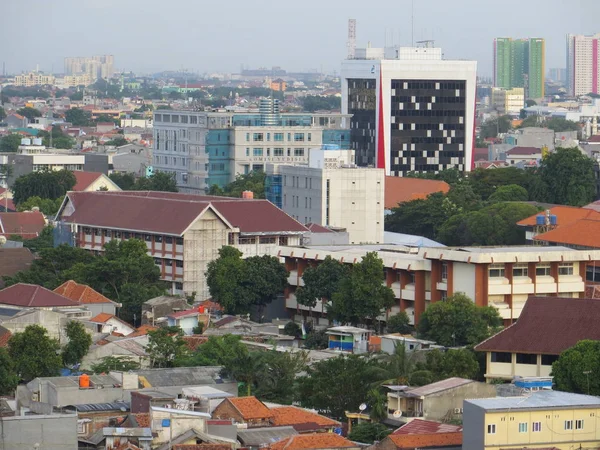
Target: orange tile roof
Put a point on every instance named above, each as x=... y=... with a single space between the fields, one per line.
x=426 y=440
x=143 y=419
x=102 y=318
x=5 y=336
x=81 y=293
x=565 y=215
x=201 y=447
x=313 y=441
x=583 y=233
x=403 y=189
x=290 y=415
x=142 y=331
x=251 y=408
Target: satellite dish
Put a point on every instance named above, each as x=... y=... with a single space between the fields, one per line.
x=397 y=414
x=362 y=406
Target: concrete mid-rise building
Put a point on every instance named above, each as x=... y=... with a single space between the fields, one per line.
x=508 y=101
x=205 y=148
x=101 y=66
x=520 y=63
x=583 y=64
x=34 y=79
x=333 y=192
x=412 y=110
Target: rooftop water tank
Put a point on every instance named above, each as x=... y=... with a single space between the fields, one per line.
x=25 y=141
x=553 y=219
x=37 y=141
x=540 y=220
x=84 y=381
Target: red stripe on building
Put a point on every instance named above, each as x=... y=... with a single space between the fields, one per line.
x=380 y=128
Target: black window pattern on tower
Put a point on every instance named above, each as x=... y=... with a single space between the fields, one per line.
x=427 y=126
x=362 y=100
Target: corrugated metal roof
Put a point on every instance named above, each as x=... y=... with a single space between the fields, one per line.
x=258 y=436
x=538 y=400
x=114 y=406
x=438 y=386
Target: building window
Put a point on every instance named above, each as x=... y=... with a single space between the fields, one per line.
x=444 y=271
x=278 y=151
x=258 y=137
x=178 y=263
x=565 y=269
x=568 y=424
x=547 y=360
x=526 y=358
x=496 y=271
x=179 y=286
x=168 y=240
x=542 y=270
x=491 y=428
x=267 y=240
x=501 y=357
x=298 y=152
x=579 y=424
x=247 y=137
x=298 y=137
x=257 y=152
x=536 y=427
x=179 y=241
x=309 y=137
x=520 y=270
x=278 y=137
x=523 y=427
x=268 y=137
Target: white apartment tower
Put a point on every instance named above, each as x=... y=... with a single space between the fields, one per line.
x=583 y=64
x=412 y=110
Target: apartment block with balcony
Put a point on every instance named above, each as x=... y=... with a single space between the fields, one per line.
x=183 y=233
x=502 y=277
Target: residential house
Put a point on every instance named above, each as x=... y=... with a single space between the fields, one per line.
x=93 y=181
x=186 y=320
x=423 y=434
x=400 y=190
x=121 y=438
x=111 y=324
x=348 y=339
x=553 y=218
x=88 y=297
x=27 y=225
x=314 y=441
x=257 y=438
x=22 y=296
x=547 y=327
x=54 y=321
x=134 y=349
x=301 y=420
x=523 y=156
x=539 y=419
x=160 y=307
x=439 y=401
x=185 y=377
x=183 y=232
x=248 y=410
x=16 y=121
x=13 y=260
x=389 y=342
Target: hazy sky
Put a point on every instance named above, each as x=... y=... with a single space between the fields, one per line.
x=209 y=35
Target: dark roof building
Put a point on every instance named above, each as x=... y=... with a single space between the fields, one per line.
x=23 y=295
x=28 y=225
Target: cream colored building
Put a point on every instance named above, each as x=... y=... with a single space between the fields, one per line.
x=74 y=80
x=332 y=191
x=508 y=101
x=33 y=79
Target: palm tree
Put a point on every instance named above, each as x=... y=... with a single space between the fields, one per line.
x=377 y=402
x=398 y=367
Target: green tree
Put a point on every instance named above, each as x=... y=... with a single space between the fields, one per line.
x=224 y=277
x=165 y=346
x=253 y=181
x=29 y=112
x=321 y=282
x=399 y=323
x=397 y=367
x=421 y=217
x=569 y=175
x=8 y=376
x=491 y=127
x=10 y=143
x=34 y=353
x=264 y=279
x=336 y=385
x=316 y=340
x=118 y=363
x=159 y=181
x=558 y=124
x=78 y=117
x=510 y=193
x=292 y=329
x=377 y=404
x=576 y=368
x=277 y=379
x=530 y=102
x=463 y=198
x=368 y=432
x=117 y=142
x=460 y=363
x=126 y=181
x=46 y=205
x=457 y=322
x=44 y=240
x=312 y=103
x=362 y=296
x=79 y=343
x=44 y=184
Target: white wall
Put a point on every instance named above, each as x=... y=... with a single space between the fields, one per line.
x=464 y=279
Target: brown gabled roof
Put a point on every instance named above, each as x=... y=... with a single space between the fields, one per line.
x=420 y=426
x=404 y=189
x=25 y=224
x=81 y=293
x=33 y=296
x=548 y=325
x=313 y=441
x=172 y=213
x=102 y=317
x=524 y=151
x=583 y=233
x=13 y=260
x=84 y=179
x=565 y=215
x=250 y=408
x=291 y=416
x=316 y=228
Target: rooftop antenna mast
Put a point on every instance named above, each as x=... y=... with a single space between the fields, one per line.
x=351 y=42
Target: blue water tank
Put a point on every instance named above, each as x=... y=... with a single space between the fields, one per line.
x=553 y=219
x=540 y=220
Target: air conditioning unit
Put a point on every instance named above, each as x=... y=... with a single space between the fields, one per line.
x=457 y=410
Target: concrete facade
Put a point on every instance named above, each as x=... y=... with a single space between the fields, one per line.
x=53 y=431
x=583 y=64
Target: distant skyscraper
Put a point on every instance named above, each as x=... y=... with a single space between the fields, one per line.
x=583 y=64
x=94 y=66
x=520 y=63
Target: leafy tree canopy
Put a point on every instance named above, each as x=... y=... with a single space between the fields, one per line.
x=321 y=281
x=46 y=205
x=253 y=181
x=118 y=363
x=47 y=184
x=8 y=376
x=10 y=143
x=78 y=117
x=34 y=353
x=29 y=112
x=368 y=432
x=576 y=368
x=399 y=323
x=159 y=181
x=510 y=193
x=166 y=346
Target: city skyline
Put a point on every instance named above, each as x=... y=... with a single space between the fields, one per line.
x=222 y=37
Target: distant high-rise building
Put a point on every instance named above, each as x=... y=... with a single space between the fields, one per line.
x=520 y=63
x=95 y=66
x=557 y=74
x=412 y=110
x=583 y=64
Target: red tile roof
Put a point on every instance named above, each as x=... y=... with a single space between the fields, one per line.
x=194 y=341
x=316 y=228
x=84 y=179
x=313 y=441
x=143 y=330
x=548 y=325
x=480 y=154
x=143 y=419
x=290 y=416
x=5 y=336
x=33 y=296
x=404 y=189
x=595 y=138
x=419 y=426
x=523 y=151
x=565 y=215
x=187 y=312
x=13 y=260
x=172 y=213
x=583 y=233
x=81 y=293
x=201 y=447
x=250 y=408
x=102 y=318
x=410 y=441
x=25 y=224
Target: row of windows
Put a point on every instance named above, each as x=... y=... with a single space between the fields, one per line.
x=428 y=113
x=168 y=262
x=522 y=270
x=175 y=118
x=423 y=84
x=536 y=427
x=278 y=137
x=522 y=358
x=127 y=235
x=277 y=151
